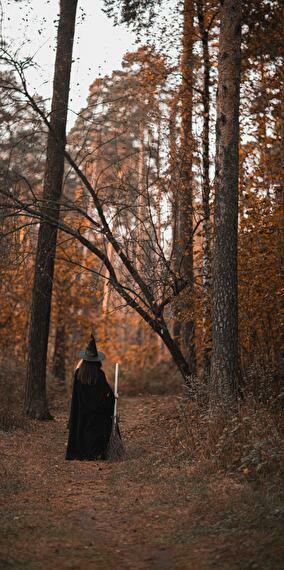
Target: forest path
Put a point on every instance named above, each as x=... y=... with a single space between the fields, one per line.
x=148 y=512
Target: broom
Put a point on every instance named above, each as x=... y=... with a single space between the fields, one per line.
x=115 y=450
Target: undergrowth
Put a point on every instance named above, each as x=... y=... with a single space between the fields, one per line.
x=12 y=394
x=249 y=441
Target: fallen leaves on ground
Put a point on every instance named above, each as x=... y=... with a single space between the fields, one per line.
x=151 y=511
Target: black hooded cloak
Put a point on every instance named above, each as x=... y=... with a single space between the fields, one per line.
x=91 y=416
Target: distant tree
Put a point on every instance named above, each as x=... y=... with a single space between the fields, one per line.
x=206 y=16
x=185 y=199
x=140 y=14
x=22 y=150
x=147 y=282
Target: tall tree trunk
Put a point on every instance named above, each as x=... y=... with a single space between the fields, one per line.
x=224 y=365
x=206 y=192
x=35 y=401
x=174 y=190
x=141 y=211
x=280 y=190
x=186 y=191
x=280 y=216
x=159 y=352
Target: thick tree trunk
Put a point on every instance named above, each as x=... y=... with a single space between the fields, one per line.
x=35 y=401
x=186 y=190
x=280 y=218
x=280 y=193
x=224 y=365
x=206 y=192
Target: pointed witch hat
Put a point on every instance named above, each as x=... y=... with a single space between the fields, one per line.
x=90 y=353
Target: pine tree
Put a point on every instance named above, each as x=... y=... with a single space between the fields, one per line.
x=225 y=367
x=36 y=402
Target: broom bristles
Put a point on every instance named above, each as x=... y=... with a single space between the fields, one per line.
x=115 y=450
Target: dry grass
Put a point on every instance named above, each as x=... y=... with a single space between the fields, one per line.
x=249 y=442
x=12 y=396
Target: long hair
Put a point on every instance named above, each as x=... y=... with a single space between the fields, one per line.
x=88 y=372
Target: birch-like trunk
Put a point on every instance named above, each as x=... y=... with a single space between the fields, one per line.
x=224 y=365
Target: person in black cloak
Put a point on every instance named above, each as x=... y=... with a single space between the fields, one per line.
x=92 y=408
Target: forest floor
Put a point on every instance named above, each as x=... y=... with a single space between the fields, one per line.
x=151 y=511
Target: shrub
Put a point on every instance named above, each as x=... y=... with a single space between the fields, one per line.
x=248 y=442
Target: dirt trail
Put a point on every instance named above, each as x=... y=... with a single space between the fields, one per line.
x=139 y=514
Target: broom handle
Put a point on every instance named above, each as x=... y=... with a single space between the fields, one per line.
x=115 y=394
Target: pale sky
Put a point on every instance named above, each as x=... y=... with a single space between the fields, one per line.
x=98 y=48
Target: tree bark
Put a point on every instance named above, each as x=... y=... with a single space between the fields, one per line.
x=206 y=192
x=280 y=191
x=224 y=365
x=174 y=190
x=35 y=402
x=186 y=191
x=279 y=205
